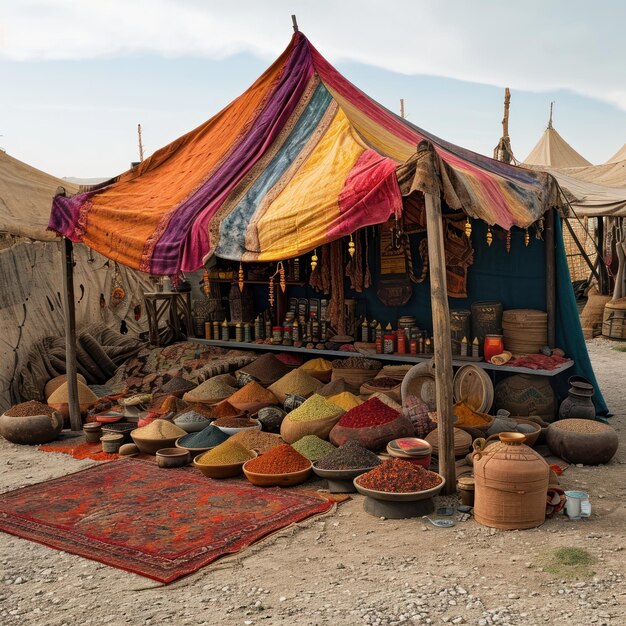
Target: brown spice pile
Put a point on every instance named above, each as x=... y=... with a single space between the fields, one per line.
x=26 y=409
x=235 y=422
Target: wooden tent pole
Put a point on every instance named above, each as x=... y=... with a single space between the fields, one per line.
x=580 y=247
x=70 y=335
x=551 y=277
x=441 y=332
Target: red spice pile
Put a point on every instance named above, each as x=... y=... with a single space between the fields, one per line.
x=398 y=476
x=282 y=459
x=235 y=422
x=370 y=413
x=224 y=409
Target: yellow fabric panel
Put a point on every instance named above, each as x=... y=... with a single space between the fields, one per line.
x=287 y=227
x=376 y=135
x=168 y=177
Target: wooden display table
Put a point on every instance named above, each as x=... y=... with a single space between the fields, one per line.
x=175 y=307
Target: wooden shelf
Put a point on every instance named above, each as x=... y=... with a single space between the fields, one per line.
x=386 y=358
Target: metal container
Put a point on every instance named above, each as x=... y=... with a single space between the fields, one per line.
x=486 y=320
x=460 y=326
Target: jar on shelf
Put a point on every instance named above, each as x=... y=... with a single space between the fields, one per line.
x=225 y=331
x=277 y=335
x=494 y=344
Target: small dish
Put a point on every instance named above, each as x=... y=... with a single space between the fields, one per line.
x=221 y=471
x=172 y=457
x=150 y=446
x=232 y=431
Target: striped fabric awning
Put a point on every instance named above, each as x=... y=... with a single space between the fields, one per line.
x=300 y=159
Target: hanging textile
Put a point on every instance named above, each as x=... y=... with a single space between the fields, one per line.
x=394 y=284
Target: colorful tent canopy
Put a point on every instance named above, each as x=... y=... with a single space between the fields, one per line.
x=299 y=159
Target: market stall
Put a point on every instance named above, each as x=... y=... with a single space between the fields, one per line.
x=304 y=182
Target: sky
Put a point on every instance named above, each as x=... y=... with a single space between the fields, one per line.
x=77 y=76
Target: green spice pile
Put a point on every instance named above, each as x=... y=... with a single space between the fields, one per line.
x=280 y=460
x=315 y=408
x=26 y=409
x=369 y=414
x=257 y=440
x=398 y=476
x=227 y=453
x=314 y=448
x=357 y=363
x=206 y=438
x=349 y=456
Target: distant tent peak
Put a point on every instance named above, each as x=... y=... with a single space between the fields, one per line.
x=553 y=151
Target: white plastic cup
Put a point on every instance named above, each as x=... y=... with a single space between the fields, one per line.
x=577 y=504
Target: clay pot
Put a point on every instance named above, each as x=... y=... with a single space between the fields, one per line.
x=578 y=404
x=31 y=430
x=582 y=441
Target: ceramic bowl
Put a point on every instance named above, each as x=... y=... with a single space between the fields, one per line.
x=31 y=430
x=192 y=427
x=232 y=431
x=150 y=446
x=112 y=442
x=194 y=451
x=278 y=480
x=93 y=432
x=220 y=471
x=400 y=497
x=118 y=429
x=340 y=481
x=172 y=457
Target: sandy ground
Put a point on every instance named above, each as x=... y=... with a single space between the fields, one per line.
x=348 y=567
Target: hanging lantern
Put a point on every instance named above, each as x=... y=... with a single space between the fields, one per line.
x=206 y=286
x=351 y=246
x=281 y=276
x=508 y=241
x=240 y=282
x=489 y=236
x=468 y=228
x=526 y=237
x=314 y=260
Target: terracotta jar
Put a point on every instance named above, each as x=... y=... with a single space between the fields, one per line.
x=511 y=483
x=494 y=344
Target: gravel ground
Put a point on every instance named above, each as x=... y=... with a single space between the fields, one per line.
x=348 y=567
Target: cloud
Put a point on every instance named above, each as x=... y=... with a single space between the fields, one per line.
x=534 y=45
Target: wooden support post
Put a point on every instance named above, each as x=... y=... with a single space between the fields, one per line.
x=603 y=283
x=441 y=333
x=70 y=335
x=550 y=277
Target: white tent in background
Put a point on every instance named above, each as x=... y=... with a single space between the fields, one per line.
x=620 y=155
x=31 y=273
x=553 y=151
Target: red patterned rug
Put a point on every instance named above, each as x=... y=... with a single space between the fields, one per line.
x=162 y=524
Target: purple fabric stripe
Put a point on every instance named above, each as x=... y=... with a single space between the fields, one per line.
x=187 y=233
x=65 y=214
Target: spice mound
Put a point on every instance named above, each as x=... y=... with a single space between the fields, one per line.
x=224 y=409
x=209 y=437
x=357 y=363
x=315 y=408
x=297 y=382
x=280 y=460
x=369 y=414
x=349 y=456
x=252 y=397
x=235 y=422
x=26 y=409
x=191 y=417
x=227 y=453
x=257 y=440
x=398 y=476
x=159 y=429
x=313 y=448
x=212 y=390
x=345 y=400
x=383 y=382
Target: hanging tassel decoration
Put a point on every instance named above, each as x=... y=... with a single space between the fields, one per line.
x=508 y=241
x=351 y=246
x=281 y=276
x=468 y=228
x=206 y=285
x=489 y=236
x=314 y=260
x=526 y=237
x=240 y=276
x=271 y=291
